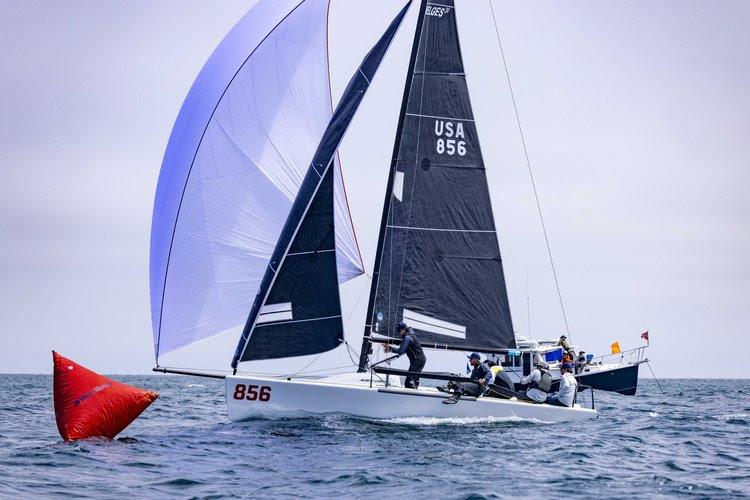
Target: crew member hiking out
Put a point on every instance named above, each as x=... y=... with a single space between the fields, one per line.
x=481 y=377
x=411 y=346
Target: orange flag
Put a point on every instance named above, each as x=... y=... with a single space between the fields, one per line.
x=615 y=348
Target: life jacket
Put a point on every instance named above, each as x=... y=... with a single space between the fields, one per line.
x=501 y=378
x=545 y=384
x=414 y=352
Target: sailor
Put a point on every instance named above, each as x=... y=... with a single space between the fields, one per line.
x=581 y=361
x=501 y=376
x=563 y=342
x=413 y=349
x=481 y=377
x=568 y=386
x=539 y=382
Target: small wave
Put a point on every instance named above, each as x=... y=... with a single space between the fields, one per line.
x=196 y=385
x=461 y=420
x=142 y=464
x=734 y=415
x=653 y=414
x=182 y=482
x=729 y=457
x=285 y=434
x=735 y=418
x=673 y=465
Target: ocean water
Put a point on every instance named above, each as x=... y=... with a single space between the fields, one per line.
x=693 y=441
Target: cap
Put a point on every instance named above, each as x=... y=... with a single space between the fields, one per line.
x=475 y=355
x=568 y=366
x=400 y=326
x=542 y=364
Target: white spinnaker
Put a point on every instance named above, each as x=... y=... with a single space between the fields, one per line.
x=235 y=160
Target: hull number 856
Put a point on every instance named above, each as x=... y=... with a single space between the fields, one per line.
x=252 y=392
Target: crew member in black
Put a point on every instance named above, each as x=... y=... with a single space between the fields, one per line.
x=409 y=345
x=481 y=377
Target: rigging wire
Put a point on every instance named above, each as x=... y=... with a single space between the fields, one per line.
x=350 y=349
x=656 y=379
x=359 y=298
x=528 y=303
x=331 y=370
x=306 y=366
x=528 y=165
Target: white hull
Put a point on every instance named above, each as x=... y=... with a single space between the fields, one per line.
x=264 y=397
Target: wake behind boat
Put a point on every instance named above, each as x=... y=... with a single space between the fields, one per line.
x=228 y=248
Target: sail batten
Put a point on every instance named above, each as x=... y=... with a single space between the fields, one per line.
x=302 y=271
x=438 y=265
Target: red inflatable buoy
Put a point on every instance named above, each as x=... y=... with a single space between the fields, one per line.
x=90 y=405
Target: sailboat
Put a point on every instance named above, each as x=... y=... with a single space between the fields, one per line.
x=251 y=223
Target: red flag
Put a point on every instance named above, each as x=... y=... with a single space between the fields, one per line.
x=644 y=335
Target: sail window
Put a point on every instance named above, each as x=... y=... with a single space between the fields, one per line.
x=275 y=312
x=398 y=186
x=433 y=325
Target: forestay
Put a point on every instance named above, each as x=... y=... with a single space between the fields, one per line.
x=298 y=310
x=236 y=158
x=438 y=266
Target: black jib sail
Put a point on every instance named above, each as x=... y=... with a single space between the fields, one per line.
x=297 y=310
x=438 y=265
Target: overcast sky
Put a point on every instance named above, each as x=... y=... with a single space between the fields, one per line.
x=636 y=115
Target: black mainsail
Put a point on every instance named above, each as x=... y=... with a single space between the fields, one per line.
x=297 y=310
x=438 y=265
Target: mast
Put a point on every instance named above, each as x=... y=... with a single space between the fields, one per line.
x=366 y=349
